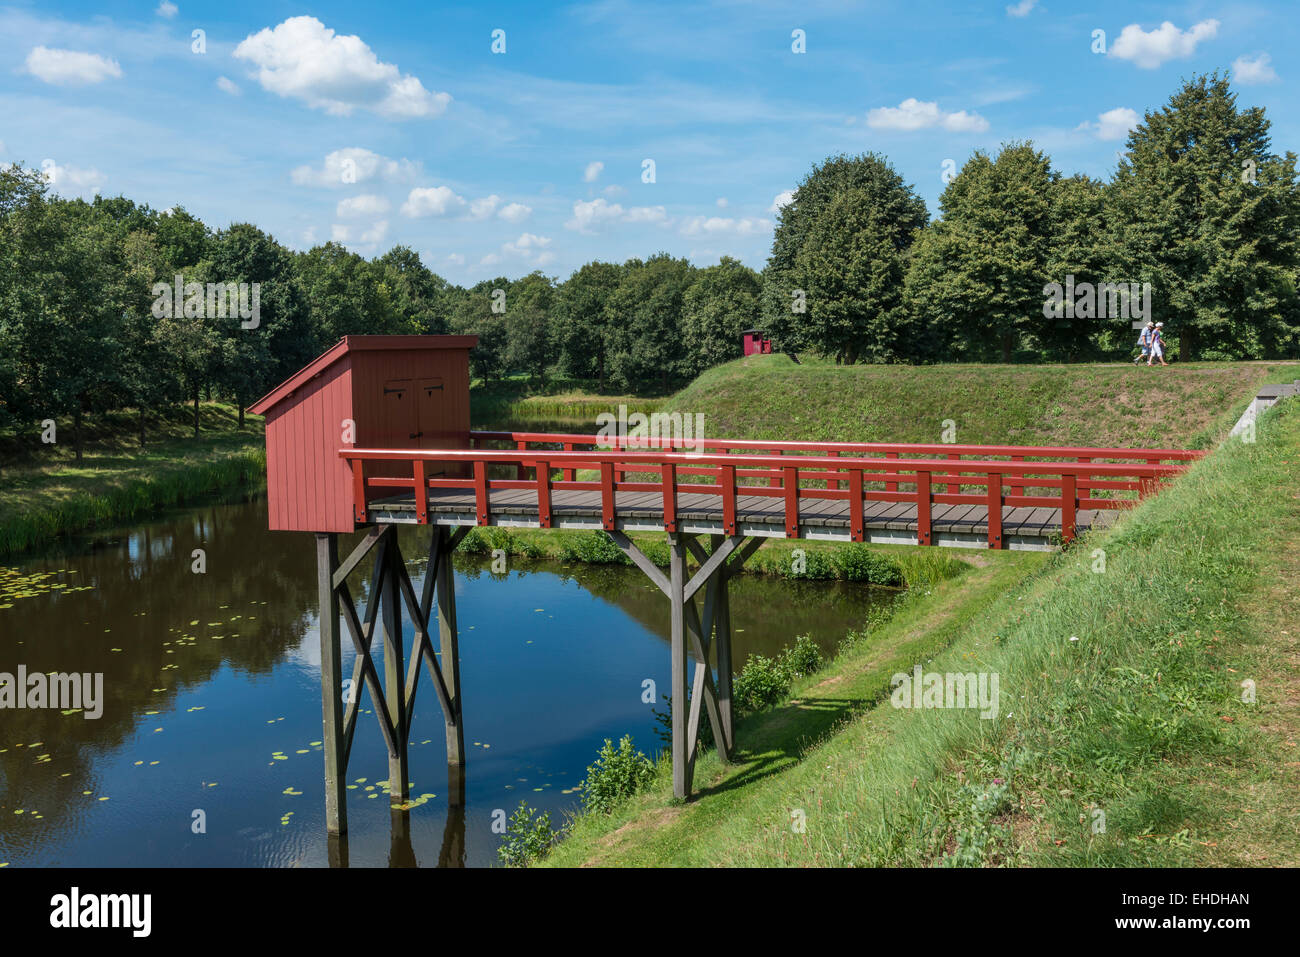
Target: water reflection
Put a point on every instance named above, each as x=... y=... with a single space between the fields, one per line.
x=212 y=704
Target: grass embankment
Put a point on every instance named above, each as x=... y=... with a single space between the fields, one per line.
x=1185 y=405
x=45 y=493
x=1122 y=737
x=560 y=406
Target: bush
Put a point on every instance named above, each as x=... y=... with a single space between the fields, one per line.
x=527 y=838
x=803 y=659
x=616 y=776
x=595 y=548
x=857 y=562
x=763 y=681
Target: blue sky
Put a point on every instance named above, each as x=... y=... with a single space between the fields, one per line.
x=376 y=124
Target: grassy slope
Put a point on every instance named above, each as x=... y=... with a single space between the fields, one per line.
x=769 y=397
x=47 y=494
x=1140 y=718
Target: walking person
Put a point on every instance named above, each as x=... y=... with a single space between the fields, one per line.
x=1157 y=345
x=1144 y=342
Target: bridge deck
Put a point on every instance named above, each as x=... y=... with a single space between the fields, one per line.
x=952 y=525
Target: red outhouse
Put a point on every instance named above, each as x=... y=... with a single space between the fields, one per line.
x=754 y=342
x=376 y=392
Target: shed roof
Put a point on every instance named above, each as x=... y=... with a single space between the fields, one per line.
x=356 y=344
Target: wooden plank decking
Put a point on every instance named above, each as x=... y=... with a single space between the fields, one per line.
x=963 y=526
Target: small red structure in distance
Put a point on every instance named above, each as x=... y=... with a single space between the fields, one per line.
x=394 y=392
x=755 y=343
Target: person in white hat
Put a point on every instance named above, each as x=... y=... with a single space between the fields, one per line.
x=1158 y=345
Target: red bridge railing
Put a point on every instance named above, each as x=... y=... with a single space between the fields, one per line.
x=1001 y=476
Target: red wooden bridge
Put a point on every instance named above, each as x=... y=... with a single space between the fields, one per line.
x=375 y=433
x=978 y=496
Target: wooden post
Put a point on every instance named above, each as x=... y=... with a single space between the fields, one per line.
x=394 y=672
x=922 y=507
x=676 y=593
x=327 y=561
x=722 y=641
x=1069 y=506
x=450 y=654
x=995 y=510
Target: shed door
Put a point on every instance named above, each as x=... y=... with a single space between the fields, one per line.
x=400 y=427
x=431 y=398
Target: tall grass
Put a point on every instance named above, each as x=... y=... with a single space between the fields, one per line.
x=241 y=471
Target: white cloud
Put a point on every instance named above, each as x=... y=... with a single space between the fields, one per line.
x=485 y=207
x=375 y=233
x=722 y=202
x=723 y=226
x=515 y=213
x=1249 y=71
x=914 y=114
x=433 y=201
x=526 y=246
x=70 y=68
x=1167 y=42
x=167 y=9
x=353 y=165
x=1022 y=8
x=781 y=200
x=613 y=190
x=592 y=171
x=1115 y=124
x=227 y=86
x=590 y=215
x=303 y=59
x=340 y=233
x=367 y=204
x=456 y=259
x=74 y=176
x=2 y=146
x=491 y=259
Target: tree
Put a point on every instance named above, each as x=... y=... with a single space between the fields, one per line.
x=580 y=319
x=346 y=294
x=417 y=294
x=977 y=280
x=1204 y=211
x=1078 y=247
x=643 y=323
x=880 y=197
x=472 y=315
x=719 y=305
x=528 y=309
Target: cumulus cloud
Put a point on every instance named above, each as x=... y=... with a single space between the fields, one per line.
x=592 y=171
x=780 y=201
x=485 y=207
x=167 y=9
x=353 y=165
x=367 y=204
x=305 y=60
x=1022 y=8
x=456 y=259
x=1149 y=50
x=723 y=226
x=340 y=233
x=73 y=176
x=226 y=85
x=914 y=114
x=70 y=68
x=1249 y=71
x=433 y=201
x=515 y=213
x=1114 y=124
x=588 y=216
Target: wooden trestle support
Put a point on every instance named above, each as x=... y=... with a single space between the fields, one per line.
x=694 y=633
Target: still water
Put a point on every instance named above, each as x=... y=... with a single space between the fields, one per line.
x=211 y=696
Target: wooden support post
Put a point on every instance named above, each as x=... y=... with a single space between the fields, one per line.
x=727 y=479
x=722 y=642
x=676 y=587
x=791 y=479
x=450 y=656
x=857 y=522
x=995 y=510
x=669 y=472
x=607 y=502
x=922 y=507
x=544 y=494
x=394 y=672
x=482 y=504
x=327 y=560
x=421 y=490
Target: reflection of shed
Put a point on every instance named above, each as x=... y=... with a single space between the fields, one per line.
x=391 y=392
x=755 y=342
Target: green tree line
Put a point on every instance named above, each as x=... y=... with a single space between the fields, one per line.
x=1199 y=209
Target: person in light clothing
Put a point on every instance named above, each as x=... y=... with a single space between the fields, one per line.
x=1144 y=342
x=1158 y=345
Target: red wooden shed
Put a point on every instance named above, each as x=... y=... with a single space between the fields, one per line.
x=754 y=342
x=391 y=392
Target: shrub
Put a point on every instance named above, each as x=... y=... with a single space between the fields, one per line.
x=595 y=548
x=763 y=681
x=527 y=838
x=616 y=776
x=803 y=659
x=857 y=562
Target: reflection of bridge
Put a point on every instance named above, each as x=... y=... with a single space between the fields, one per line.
x=736 y=493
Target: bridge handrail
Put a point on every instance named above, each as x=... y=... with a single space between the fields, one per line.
x=784 y=473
